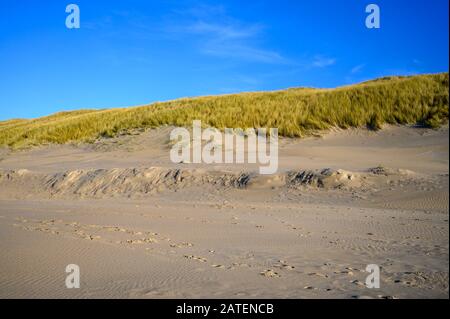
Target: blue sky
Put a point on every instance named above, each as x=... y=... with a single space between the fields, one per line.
x=135 y=52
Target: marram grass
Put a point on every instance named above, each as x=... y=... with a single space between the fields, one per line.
x=422 y=99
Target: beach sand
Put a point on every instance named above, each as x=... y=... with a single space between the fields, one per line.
x=140 y=226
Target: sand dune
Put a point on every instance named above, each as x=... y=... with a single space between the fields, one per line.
x=140 y=226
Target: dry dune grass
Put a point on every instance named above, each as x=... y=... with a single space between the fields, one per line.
x=296 y=112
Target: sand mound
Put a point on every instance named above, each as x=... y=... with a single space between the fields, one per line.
x=326 y=178
x=98 y=183
x=115 y=182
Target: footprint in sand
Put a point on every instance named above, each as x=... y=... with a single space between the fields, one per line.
x=80 y=230
x=318 y=274
x=357 y=282
x=237 y=264
x=111 y=228
x=181 y=245
x=269 y=273
x=92 y=237
x=218 y=266
x=192 y=257
x=141 y=241
x=284 y=265
x=310 y=288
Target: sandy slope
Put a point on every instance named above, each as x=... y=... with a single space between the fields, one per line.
x=141 y=227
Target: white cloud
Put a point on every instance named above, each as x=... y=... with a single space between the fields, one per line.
x=223 y=31
x=357 y=69
x=218 y=34
x=321 y=61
